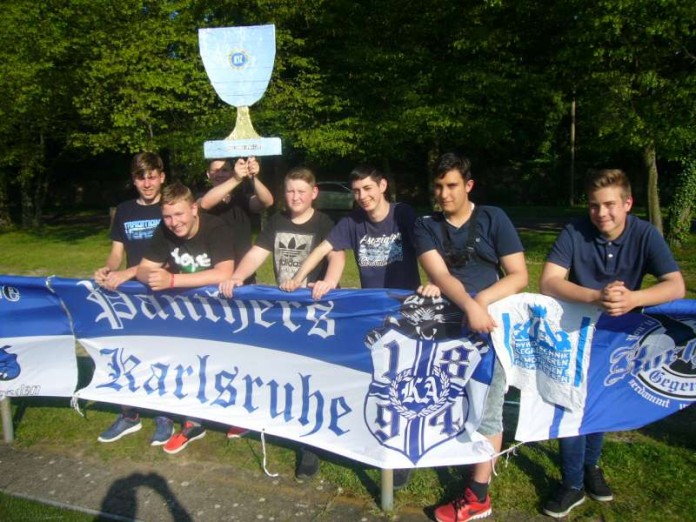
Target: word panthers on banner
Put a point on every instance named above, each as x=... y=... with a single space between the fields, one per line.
x=380 y=376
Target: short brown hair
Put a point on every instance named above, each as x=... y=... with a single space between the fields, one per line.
x=176 y=192
x=601 y=178
x=451 y=161
x=227 y=164
x=145 y=162
x=303 y=174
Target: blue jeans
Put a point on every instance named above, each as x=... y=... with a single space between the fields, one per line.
x=576 y=453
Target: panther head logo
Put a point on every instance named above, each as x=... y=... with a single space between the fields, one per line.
x=9 y=368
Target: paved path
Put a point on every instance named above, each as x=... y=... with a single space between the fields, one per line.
x=186 y=491
x=181 y=491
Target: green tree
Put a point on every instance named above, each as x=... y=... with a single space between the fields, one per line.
x=682 y=208
x=632 y=62
x=37 y=76
x=144 y=87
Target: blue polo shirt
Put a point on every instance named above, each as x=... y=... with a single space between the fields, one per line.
x=594 y=261
x=495 y=237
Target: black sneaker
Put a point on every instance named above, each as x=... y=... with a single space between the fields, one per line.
x=401 y=478
x=564 y=501
x=164 y=429
x=595 y=485
x=308 y=465
x=120 y=428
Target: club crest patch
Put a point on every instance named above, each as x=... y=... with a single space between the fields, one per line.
x=422 y=363
x=660 y=355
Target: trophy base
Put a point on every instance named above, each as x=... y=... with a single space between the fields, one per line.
x=221 y=149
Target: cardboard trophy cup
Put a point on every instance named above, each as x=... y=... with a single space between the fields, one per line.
x=239 y=63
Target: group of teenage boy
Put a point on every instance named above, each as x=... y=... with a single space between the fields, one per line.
x=470 y=253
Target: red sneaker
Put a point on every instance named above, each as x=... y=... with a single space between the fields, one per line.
x=463 y=509
x=235 y=432
x=179 y=441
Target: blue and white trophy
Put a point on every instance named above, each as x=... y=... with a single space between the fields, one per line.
x=239 y=63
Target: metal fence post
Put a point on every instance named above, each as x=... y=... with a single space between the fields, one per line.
x=387 y=490
x=6 y=413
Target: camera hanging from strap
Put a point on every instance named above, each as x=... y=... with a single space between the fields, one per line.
x=458 y=259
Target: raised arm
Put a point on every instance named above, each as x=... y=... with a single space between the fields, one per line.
x=216 y=194
x=262 y=198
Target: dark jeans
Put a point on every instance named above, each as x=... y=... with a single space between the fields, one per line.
x=576 y=453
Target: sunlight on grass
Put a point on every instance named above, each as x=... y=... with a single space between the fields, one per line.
x=657 y=462
x=16 y=509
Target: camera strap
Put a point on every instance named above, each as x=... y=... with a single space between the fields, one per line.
x=470 y=241
x=471 y=237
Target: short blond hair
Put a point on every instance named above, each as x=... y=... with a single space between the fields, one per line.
x=176 y=192
x=302 y=174
x=602 y=178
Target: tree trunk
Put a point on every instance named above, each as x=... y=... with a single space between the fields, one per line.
x=27 y=196
x=654 y=214
x=5 y=220
x=433 y=155
x=33 y=182
x=573 y=106
x=392 y=189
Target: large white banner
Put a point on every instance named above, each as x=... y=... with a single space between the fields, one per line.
x=386 y=378
x=383 y=377
x=37 y=347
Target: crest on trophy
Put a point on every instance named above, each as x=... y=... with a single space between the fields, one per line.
x=239 y=63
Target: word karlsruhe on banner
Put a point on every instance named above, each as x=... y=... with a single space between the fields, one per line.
x=384 y=377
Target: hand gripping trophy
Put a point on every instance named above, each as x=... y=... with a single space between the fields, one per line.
x=239 y=63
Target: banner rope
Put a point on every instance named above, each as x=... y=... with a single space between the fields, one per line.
x=263 y=448
x=511 y=451
x=75 y=404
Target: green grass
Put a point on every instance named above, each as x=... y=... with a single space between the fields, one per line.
x=17 y=509
x=657 y=462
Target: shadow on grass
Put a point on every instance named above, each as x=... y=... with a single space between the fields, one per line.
x=360 y=469
x=121 y=498
x=679 y=429
x=531 y=460
x=85 y=371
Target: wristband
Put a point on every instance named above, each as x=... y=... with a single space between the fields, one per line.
x=171 y=281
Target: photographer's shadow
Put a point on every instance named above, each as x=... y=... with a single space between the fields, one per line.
x=121 y=499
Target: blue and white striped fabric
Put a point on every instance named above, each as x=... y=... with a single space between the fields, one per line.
x=37 y=346
x=608 y=373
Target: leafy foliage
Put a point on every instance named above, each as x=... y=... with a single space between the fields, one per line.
x=682 y=208
x=353 y=81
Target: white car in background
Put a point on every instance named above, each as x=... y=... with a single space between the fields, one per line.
x=334 y=195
